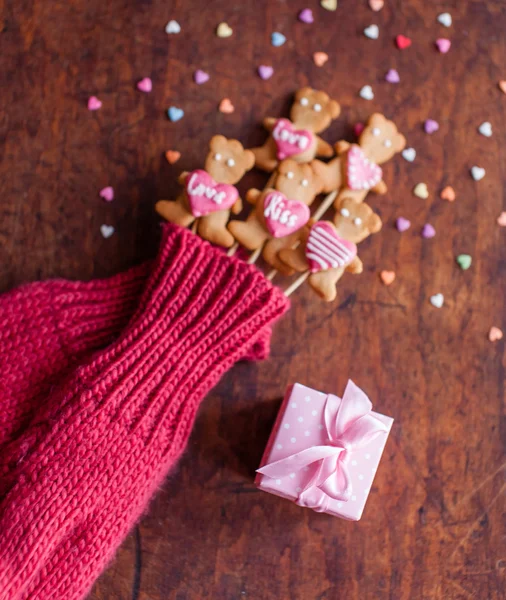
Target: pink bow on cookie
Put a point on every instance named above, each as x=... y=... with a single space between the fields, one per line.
x=206 y=196
x=362 y=173
x=290 y=141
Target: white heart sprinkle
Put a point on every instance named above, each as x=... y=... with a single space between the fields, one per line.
x=372 y=32
x=172 y=27
x=106 y=230
x=409 y=154
x=485 y=129
x=477 y=173
x=445 y=19
x=366 y=93
x=437 y=300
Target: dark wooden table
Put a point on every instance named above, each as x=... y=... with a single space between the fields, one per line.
x=434 y=525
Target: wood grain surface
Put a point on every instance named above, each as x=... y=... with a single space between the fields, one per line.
x=434 y=526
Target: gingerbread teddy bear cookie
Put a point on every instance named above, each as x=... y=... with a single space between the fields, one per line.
x=296 y=138
x=329 y=249
x=209 y=195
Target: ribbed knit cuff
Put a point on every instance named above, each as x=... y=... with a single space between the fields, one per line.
x=89 y=464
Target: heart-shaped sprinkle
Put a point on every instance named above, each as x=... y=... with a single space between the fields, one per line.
x=200 y=77
x=387 y=277
x=437 y=300
x=145 y=85
x=277 y=39
x=443 y=45
x=402 y=224
x=226 y=106
x=502 y=86
x=325 y=249
x=477 y=173
x=172 y=27
x=94 y=103
x=409 y=154
x=175 y=114
x=282 y=215
x=107 y=194
x=445 y=19
x=358 y=128
x=265 y=72
x=392 y=76
x=430 y=126
x=224 y=30
x=420 y=191
x=428 y=231
x=448 y=194
x=206 y=196
x=464 y=261
x=172 y=156
x=495 y=334
x=376 y=5
x=320 y=58
x=106 y=230
x=366 y=93
x=501 y=219
x=306 y=15
x=372 y=32
x=485 y=129
x=329 y=4
x=403 y=42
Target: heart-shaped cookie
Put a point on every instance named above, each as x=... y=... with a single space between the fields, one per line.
x=206 y=196
x=290 y=141
x=284 y=216
x=361 y=172
x=326 y=250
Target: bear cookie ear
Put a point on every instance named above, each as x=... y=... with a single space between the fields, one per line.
x=217 y=142
x=399 y=142
x=249 y=160
x=374 y=223
x=334 y=108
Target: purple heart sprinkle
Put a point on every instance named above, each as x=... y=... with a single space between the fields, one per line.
x=265 y=71
x=431 y=126
x=402 y=224
x=392 y=76
x=200 y=76
x=306 y=15
x=428 y=231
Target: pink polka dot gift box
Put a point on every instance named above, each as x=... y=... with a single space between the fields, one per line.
x=324 y=451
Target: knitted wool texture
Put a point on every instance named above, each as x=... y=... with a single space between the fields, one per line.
x=83 y=470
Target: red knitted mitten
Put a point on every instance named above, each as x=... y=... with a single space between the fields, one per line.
x=86 y=467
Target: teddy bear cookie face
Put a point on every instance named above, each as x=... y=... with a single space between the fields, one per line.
x=380 y=139
x=354 y=221
x=298 y=181
x=227 y=160
x=313 y=110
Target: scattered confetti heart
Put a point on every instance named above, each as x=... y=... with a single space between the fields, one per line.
x=448 y=194
x=306 y=15
x=329 y=4
x=445 y=19
x=437 y=300
x=277 y=39
x=224 y=30
x=431 y=126
x=501 y=219
x=94 y=103
x=145 y=85
x=226 y=106
x=392 y=76
x=372 y=32
x=409 y=154
x=106 y=230
x=200 y=77
x=477 y=173
x=175 y=113
x=464 y=261
x=358 y=128
x=172 y=27
x=403 y=42
x=376 y=5
x=495 y=334
x=428 y=231
x=172 y=156
x=107 y=194
x=387 y=277
x=421 y=191
x=265 y=72
x=443 y=45
x=485 y=129
x=366 y=93
x=502 y=86
x=320 y=58
x=402 y=224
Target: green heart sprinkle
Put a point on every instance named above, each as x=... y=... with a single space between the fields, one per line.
x=464 y=261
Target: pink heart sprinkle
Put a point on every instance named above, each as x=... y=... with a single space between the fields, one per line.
x=428 y=231
x=94 y=103
x=402 y=224
x=145 y=85
x=431 y=126
x=358 y=128
x=443 y=45
x=265 y=71
x=392 y=76
x=107 y=194
x=306 y=15
x=200 y=76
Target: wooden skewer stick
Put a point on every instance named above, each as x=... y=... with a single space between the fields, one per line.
x=297 y=283
x=254 y=256
x=233 y=249
x=195 y=226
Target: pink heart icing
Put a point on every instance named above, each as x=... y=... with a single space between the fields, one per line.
x=207 y=196
x=362 y=173
x=290 y=141
x=284 y=216
x=326 y=250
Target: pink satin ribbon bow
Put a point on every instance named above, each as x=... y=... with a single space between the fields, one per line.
x=350 y=426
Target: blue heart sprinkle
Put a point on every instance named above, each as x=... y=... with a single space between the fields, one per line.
x=175 y=113
x=277 y=39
